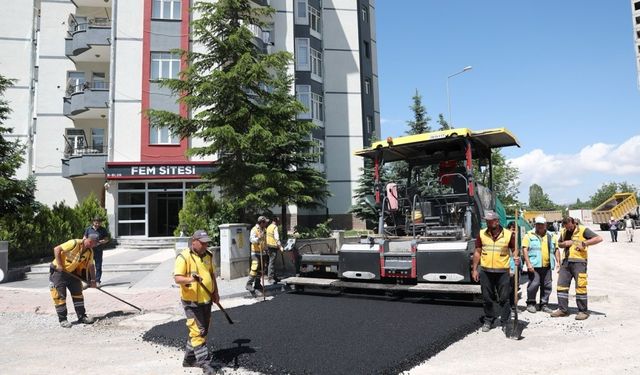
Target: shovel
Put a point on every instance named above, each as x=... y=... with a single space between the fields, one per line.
x=514 y=330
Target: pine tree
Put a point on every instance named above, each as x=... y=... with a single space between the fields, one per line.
x=444 y=125
x=14 y=193
x=364 y=194
x=420 y=122
x=243 y=110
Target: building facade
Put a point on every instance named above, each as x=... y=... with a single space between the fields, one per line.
x=635 y=12
x=87 y=70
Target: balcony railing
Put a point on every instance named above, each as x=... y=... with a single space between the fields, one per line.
x=74 y=88
x=84 y=26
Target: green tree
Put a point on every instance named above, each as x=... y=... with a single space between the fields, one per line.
x=14 y=193
x=365 y=193
x=444 y=125
x=505 y=178
x=202 y=210
x=420 y=122
x=605 y=191
x=539 y=200
x=243 y=110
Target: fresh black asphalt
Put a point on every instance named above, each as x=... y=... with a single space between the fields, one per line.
x=317 y=334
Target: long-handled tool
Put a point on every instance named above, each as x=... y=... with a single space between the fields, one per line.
x=514 y=332
x=103 y=291
x=199 y=280
x=264 y=297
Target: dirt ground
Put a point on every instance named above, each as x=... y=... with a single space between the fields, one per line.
x=33 y=343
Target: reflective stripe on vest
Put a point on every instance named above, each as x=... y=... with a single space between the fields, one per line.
x=495 y=254
x=271 y=238
x=576 y=255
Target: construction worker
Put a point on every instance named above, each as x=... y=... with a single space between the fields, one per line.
x=494 y=246
x=194 y=271
x=541 y=255
x=258 y=240
x=74 y=257
x=103 y=238
x=630 y=226
x=575 y=239
x=273 y=246
x=613 y=229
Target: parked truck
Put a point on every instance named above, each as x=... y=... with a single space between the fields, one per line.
x=426 y=236
x=617 y=207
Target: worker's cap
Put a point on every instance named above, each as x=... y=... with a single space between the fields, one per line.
x=612 y=218
x=540 y=220
x=201 y=236
x=262 y=219
x=97 y=218
x=490 y=215
x=92 y=237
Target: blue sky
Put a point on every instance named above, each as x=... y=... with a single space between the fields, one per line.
x=561 y=75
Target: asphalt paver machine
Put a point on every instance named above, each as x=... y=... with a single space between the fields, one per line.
x=428 y=222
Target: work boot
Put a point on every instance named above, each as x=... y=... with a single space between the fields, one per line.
x=546 y=309
x=559 y=314
x=207 y=369
x=189 y=361
x=486 y=327
x=86 y=320
x=531 y=309
x=65 y=324
x=582 y=315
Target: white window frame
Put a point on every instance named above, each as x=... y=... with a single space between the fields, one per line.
x=369 y=124
x=167 y=65
x=303 y=94
x=301 y=6
x=315 y=22
x=365 y=13
x=98 y=134
x=174 y=10
x=316 y=65
x=161 y=135
x=367 y=86
x=303 y=54
x=317 y=108
x=318 y=148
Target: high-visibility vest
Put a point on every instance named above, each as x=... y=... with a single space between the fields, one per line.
x=575 y=255
x=536 y=244
x=495 y=253
x=271 y=238
x=259 y=246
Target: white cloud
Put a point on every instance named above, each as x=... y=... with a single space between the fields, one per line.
x=556 y=172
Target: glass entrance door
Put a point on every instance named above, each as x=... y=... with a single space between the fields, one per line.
x=163 y=213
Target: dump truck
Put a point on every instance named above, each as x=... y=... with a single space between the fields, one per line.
x=617 y=207
x=426 y=231
x=550 y=216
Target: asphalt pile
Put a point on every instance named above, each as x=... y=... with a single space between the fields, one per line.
x=314 y=334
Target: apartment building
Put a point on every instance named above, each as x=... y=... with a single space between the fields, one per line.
x=635 y=12
x=87 y=70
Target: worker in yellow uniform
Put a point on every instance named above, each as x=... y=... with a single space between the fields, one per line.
x=494 y=246
x=258 y=240
x=195 y=273
x=575 y=239
x=273 y=246
x=541 y=255
x=74 y=257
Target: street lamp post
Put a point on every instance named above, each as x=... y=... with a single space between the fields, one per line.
x=466 y=68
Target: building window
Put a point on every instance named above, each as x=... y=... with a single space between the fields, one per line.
x=303 y=94
x=164 y=65
x=369 y=124
x=365 y=13
x=367 y=86
x=161 y=135
x=367 y=49
x=316 y=65
x=318 y=150
x=315 y=22
x=317 y=107
x=302 y=54
x=166 y=9
x=97 y=140
x=301 y=12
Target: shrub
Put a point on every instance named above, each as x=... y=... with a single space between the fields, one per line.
x=202 y=211
x=322 y=230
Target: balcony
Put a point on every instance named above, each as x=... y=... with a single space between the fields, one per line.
x=263 y=3
x=87 y=100
x=93 y=3
x=80 y=161
x=261 y=38
x=89 y=40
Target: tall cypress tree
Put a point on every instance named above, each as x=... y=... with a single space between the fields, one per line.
x=244 y=111
x=420 y=122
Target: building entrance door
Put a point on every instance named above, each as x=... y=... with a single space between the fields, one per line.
x=163 y=213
